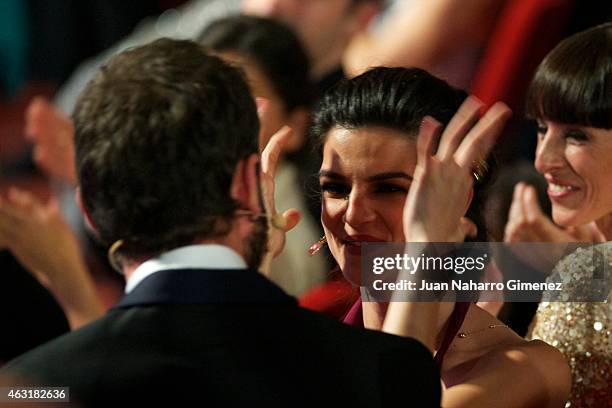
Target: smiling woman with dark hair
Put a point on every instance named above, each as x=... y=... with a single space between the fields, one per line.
x=383 y=179
x=571 y=98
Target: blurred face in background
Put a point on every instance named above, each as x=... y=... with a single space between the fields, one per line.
x=364 y=178
x=577 y=164
x=277 y=114
x=324 y=26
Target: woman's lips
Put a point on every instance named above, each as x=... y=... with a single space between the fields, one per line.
x=559 y=190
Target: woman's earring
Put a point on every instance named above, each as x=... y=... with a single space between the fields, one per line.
x=316 y=247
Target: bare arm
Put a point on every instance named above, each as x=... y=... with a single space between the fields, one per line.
x=45 y=245
x=422 y=32
x=532 y=375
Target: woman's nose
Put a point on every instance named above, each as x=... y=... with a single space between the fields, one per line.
x=549 y=152
x=359 y=209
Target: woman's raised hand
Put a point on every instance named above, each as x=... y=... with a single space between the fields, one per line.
x=441 y=191
x=45 y=245
x=37 y=235
x=53 y=136
x=278 y=225
x=439 y=197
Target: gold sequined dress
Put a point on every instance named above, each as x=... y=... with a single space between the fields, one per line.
x=581 y=330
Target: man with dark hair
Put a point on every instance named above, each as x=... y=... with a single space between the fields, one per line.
x=166 y=142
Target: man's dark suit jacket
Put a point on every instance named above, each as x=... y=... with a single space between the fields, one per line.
x=229 y=338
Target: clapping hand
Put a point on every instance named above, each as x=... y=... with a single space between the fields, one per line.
x=527 y=222
x=53 y=136
x=45 y=245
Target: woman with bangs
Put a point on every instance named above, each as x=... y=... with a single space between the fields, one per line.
x=571 y=99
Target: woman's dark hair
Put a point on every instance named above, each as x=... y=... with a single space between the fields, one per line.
x=273 y=47
x=398 y=99
x=573 y=84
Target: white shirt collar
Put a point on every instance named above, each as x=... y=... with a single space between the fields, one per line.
x=209 y=256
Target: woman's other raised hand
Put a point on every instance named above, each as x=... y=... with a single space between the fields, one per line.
x=441 y=191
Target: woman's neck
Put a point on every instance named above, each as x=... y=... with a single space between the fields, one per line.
x=374 y=316
x=604 y=224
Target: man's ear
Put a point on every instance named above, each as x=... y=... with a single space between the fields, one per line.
x=245 y=184
x=298 y=121
x=86 y=214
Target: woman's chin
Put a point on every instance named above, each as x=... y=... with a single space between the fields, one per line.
x=565 y=218
x=351 y=269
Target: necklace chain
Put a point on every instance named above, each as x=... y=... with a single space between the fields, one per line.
x=463 y=335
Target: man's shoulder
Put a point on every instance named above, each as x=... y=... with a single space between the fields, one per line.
x=369 y=341
x=144 y=345
x=59 y=352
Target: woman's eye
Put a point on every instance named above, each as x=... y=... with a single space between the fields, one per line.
x=335 y=190
x=541 y=130
x=576 y=135
x=390 y=188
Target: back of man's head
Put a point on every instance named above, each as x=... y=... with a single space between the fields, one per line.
x=159 y=132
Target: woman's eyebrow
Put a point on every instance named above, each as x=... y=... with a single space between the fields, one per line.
x=331 y=174
x=376 y=177
x=389 y=175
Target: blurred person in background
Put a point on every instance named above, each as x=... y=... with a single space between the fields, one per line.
x=277 y=70
x=326 y=28
x=445 y=37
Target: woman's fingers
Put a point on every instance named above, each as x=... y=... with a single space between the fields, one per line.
x=480 y=140
x=531 y=205
x=543 y=229
x=459 y=126
x=292 y=218
x=23 y=199
x=468 y=228
x=13 y=213
x=33 y=113
x=427 y=139
x=272 y=151
x=12 y=220
x=516 y=215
